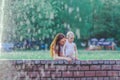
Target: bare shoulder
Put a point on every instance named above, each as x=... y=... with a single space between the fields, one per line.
x=74 y=44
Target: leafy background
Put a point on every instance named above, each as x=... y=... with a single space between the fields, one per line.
x=43 y=19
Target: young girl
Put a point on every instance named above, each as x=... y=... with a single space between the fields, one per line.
x=70 y=49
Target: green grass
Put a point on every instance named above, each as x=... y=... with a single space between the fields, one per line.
x=45 y=55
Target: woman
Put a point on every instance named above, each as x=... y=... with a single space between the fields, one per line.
x=57 y=46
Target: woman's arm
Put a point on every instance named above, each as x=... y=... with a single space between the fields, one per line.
x=56 y=57
x=64 y=48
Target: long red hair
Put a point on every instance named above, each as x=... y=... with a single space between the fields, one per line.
x=55 y=45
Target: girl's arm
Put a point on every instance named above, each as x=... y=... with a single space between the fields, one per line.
x=76 y=51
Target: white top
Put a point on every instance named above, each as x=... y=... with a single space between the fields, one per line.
x=69 y=48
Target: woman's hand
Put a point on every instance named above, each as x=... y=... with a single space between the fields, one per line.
x=68 y=59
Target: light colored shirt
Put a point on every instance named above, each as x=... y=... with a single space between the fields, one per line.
x=69 y=48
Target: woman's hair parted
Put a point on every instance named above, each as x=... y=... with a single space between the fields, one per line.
x=55 y=45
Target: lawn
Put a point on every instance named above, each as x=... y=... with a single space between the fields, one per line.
x=45 y=55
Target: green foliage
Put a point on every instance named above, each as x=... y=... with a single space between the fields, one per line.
x=42 y=19
x=33 y=18
x=107 y=21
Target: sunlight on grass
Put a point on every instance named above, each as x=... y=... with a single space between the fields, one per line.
x=45 y=55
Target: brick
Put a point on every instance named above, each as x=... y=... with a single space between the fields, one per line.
x=89 y=62
x=106 y=78
x=106 y=62
x=37 y=62
x=78 y=74
x=83 y=78
x=118 y=62
x=113 y=73
x=35 y=79
x=101 y=62
x=18 y=62
x=50 y=61
x=59 y=78
x=56 y=62
x=43 y=62
x=46 y=66
x=33 y=74
x=117 y=78
x=32 y=62
x=69 y=79
x=26 y=61
x=113 y=78
x=89 y=73
x=119 y=73
x=66 y=78
x=84 y=67
x=40 y=67
x=20 y=78
x=77 y=79
x=71 y=67
x=76 y=67
x=89 y=79
x=46 y=74
x=51 y=68
x=13 y=62
x=22 y=74
x=95 y=62
x=100 y=78
x=35 y=68
x=45 y=78
x=77 y=62
x=67 y=74
x=59 y=62
x=112 y=62
x=18 y=67
x=95 y=67
x=101 y=73
x=61 y=67
x=56 y=74
x=83 y=62
x=26 y=78
x=106 y=67
x=94 y=78
x=116 y=67
x=28 y=68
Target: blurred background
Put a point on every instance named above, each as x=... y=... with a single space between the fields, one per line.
x=32 y=24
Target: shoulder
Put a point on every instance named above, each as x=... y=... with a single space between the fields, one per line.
x=66 y=43
x=73 y=44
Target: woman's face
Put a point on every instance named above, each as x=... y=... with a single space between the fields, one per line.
x=62 y=41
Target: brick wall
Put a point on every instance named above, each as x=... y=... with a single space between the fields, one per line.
x=63 y=70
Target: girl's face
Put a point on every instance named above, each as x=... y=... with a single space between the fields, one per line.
x=62 y=41
x=71 y=39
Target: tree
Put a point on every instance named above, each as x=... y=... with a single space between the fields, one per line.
x=107 y=20
x=43 y=19
x=33 y=18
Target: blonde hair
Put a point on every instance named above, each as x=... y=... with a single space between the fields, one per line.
x=70 y=34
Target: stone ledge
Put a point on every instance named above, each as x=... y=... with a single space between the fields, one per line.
x=61 y=62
